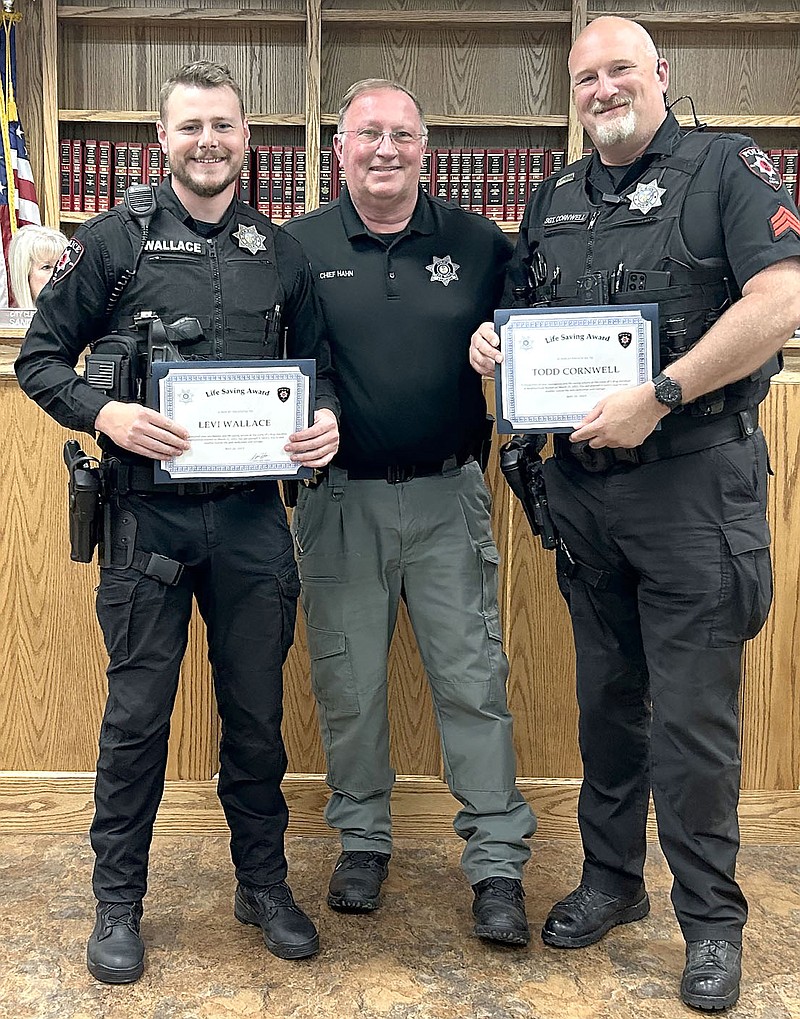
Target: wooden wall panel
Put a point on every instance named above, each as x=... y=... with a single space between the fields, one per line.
x=267 y=59
x=454 y=72
x=770 y=701
x=52 y=660
x=52 y=684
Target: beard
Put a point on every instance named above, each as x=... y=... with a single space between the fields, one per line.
x=203 y=189
x=620 y=130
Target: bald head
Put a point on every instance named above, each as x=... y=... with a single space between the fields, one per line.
x=619 y=82
x=621 y=31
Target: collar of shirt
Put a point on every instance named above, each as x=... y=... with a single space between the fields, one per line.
x=662 y=144
x=421 y=221
x=167 y=199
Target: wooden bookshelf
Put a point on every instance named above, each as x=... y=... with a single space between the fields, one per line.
x=489 y=73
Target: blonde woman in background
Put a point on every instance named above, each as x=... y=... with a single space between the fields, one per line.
x=32 y=256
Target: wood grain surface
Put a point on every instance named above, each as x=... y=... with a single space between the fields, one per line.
x=421 y=808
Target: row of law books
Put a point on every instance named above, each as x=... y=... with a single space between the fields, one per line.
x=95 y=174
x=785 y=162
x=495 y=182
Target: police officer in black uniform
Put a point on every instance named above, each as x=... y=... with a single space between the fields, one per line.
x=664 y=557
x=198 y=253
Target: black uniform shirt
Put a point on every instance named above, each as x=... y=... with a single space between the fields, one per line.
x=71 y=312
x=736 y=207
x=400 y=313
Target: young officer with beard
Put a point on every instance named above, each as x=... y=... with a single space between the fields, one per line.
x=665 y=546
x=403 y=511
x=208 y=256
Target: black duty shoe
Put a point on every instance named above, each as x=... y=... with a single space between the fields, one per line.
x=499 y=911
x=586 y=914
x=356 y=881
x=115 y=953
x=712 y=974
x=288 y=932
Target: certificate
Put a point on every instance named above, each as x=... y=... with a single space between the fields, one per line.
x=239 y=416
x=557 y=364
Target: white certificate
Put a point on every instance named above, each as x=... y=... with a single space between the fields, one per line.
x=239 y=416
x=557 y=364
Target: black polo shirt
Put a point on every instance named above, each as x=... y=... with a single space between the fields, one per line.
x=400 y=311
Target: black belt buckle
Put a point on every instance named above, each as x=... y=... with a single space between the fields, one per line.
x=398 y=474
x=168 y=571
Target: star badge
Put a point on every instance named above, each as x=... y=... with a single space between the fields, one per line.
x=646 y=197
x=443 y=270
x=250 y=239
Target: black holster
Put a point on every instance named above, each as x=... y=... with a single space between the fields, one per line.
x=86 y=501
x=521 y=465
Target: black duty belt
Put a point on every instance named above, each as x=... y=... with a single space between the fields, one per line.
x=124 y=478
x=396 y=474
x=705 y=434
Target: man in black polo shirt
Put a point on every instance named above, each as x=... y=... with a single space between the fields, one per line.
x=403 y=510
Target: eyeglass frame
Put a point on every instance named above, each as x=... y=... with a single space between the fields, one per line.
x=378 y=141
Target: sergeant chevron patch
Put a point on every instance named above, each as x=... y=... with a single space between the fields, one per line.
x=783 y=221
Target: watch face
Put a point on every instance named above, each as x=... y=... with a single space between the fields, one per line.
x=669 y=392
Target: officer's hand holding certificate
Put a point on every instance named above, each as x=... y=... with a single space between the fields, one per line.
x=557 y=363
x=239 y=416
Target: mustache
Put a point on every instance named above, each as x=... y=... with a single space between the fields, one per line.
x=598 y=107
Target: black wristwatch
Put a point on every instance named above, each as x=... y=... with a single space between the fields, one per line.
x=668 y=391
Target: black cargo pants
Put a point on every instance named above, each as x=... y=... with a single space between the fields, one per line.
x=678 y=579
x=239 y=564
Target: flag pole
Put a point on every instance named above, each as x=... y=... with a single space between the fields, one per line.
x=8 y=110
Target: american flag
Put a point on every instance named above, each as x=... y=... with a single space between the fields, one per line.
x=18 y=204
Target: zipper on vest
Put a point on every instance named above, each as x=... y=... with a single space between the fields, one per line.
x=217 y=288
x=590 y=246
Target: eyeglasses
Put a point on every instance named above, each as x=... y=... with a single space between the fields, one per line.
x=371 y=136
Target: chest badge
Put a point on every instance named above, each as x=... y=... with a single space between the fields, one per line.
x=248 y=238
x=443 y=270
x=646 y=197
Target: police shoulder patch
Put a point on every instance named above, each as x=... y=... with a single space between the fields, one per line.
x=69 y=259
x=759 y=163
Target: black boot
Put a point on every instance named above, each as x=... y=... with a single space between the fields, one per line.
x=115 y=953
x=288 y=932
x=586 y=914
x=499 y=911
x=356 y=881
x=712 y=974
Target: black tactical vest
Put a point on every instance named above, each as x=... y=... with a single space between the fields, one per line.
x=228 y=288
x=577 y=237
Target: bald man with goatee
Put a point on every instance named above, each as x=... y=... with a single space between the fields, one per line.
x=659 y=494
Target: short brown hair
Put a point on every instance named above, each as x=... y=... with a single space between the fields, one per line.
x=360 y=88
x=199 y=74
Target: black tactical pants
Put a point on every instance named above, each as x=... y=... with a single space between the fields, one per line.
x=239 y=564
x=678 y=579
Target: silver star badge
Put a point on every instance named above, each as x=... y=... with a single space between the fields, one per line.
x=250 y=239
x=646 y=197
x=443 y=270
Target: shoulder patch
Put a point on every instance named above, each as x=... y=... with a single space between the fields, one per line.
x=759 y=163
x=69 y=259
x=565 y=179
x=783 y=221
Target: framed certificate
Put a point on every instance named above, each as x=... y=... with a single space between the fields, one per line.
x=557 y=363
x=239 y=415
